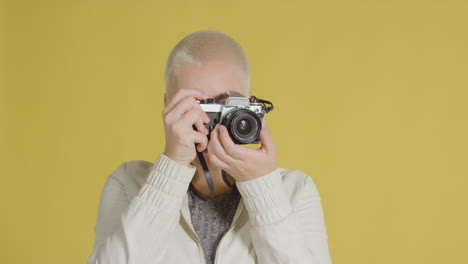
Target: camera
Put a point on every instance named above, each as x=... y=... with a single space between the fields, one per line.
x=239 y=114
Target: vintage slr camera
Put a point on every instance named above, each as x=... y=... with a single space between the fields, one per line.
x=241 y=115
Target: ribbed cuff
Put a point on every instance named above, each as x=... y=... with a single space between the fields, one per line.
x=265 y=198
x=167 y=183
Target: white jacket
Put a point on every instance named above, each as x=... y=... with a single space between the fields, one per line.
x=144 y=218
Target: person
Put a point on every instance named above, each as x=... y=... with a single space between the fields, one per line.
x=161 y=212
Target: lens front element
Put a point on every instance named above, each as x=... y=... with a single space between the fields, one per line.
x=244 y=125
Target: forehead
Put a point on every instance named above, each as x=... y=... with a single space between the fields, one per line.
x=211 y=79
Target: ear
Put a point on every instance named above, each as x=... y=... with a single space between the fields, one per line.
x=250 y=94
x=165 y=100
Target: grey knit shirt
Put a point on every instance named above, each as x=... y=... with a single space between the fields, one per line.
x=211 y=218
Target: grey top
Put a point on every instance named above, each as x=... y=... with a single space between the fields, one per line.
x=211 y=218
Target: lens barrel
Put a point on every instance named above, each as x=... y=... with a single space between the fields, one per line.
x=244 y=125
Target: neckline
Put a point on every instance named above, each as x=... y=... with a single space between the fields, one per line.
x=217 y=197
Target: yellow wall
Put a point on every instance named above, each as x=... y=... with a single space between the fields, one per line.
x=370 y=101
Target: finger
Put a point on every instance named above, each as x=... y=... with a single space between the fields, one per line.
x=200 y=127
x=266 y=138
x=190 y=103
x=206 y=118
x=213 y=151
x=217 y=148
x=201 y=141
x=190 y=118
x=216 y=162
x=182 y=106
x=182 y=94
x=229 y=146
x=213 y=155
x=185 y=105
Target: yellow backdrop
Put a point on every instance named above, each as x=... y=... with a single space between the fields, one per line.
x=370 y=101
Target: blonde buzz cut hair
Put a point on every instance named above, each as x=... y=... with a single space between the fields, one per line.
x=203 y=46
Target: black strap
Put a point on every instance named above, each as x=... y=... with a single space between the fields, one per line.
x=228 y=183
x=268 y=106
x=209 y=179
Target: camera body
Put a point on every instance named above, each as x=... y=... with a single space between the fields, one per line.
x=241 y=115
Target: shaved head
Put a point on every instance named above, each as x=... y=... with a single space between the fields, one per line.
x=204 y=46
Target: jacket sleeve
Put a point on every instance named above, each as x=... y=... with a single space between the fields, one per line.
x=282 y=232
x=136 y=231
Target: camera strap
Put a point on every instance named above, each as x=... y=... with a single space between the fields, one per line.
x=209 y=179
x=228 y=183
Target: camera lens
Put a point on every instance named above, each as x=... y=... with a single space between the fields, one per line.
x=243 y=125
